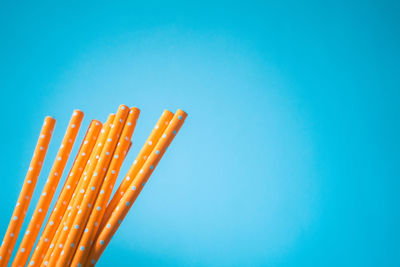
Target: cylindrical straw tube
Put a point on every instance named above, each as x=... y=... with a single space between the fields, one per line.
x=26 y=193
x=138 y=163
x=49 y=190
x=137 y=185
x=62 y=230
x=96 y=181
x=65 y=196
x=106 y=189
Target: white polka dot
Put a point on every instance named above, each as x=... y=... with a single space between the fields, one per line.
x=15 y=218
x=40 y=210
x=116 y=156
x=59 y=158
x=102 y=192
x=98 y=208
x=68 y=187
x=109 y=139
x=113 y=171
x=82 y=248
x=73 y=126
x=133 y=187
x=41 y=148
x=150 y=143
x=44 y=194
x=76 y=226
x=22 y=250
x=164 y=135
x=141 y=171
x=157 y=152
x=108 y=225
x=29 y=182
x=93 y=188
x=51 y=222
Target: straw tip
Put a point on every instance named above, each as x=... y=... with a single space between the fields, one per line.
x=167 y=112
x=78 y=112
x=134 y=109
x=97 y=122
x=181 y=113
x=123 y=107
x=49 y=118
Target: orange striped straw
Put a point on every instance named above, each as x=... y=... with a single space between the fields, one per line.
x=26 y=193
x=106 y=189
x=96 y=181
x=66 y=193
x=49 y=190
x=137 y=185
x=78 y=193
x=138 y=163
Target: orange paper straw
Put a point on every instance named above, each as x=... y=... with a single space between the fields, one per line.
x=138 y=163
x=66 y=193
x=138 y=183
x=106 y=189
x=79 y=191
x=49 y=190
x=26 y=193
x=96 y=181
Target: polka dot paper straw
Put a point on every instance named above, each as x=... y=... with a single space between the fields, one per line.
x=138 y=163
x=26 y=192
x=137 y=185
x=49 y=190
x=96 y=181
x=106 y=189
x=62 y=230
x=66 y=193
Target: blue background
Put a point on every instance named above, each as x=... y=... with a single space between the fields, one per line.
x=290 y=153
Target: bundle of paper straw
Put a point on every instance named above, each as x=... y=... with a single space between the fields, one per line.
x=86 y=215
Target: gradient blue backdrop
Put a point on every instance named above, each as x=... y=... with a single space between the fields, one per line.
x=290 y=153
